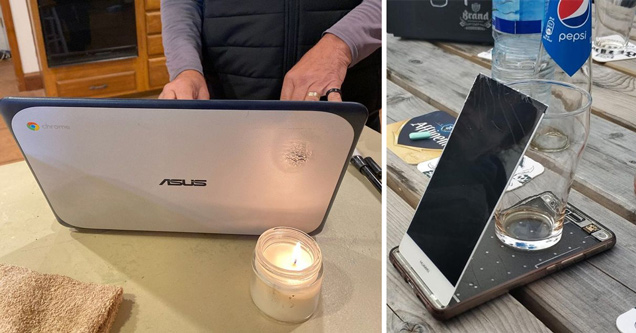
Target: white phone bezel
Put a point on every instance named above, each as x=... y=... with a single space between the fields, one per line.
x=442 y=289
x=626 y=322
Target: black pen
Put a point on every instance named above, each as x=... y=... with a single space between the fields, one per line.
x=358 y=161
x=375 y=168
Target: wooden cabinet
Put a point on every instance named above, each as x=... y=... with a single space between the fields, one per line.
x=146 y=72
x=157 y=70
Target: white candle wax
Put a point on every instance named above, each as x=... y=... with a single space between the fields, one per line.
x=287 y=275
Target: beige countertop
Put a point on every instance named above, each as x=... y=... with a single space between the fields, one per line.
x=198 y=282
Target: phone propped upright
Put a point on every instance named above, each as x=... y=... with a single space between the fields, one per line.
x=486 y=144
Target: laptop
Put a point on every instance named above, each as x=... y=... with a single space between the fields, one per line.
x=233 y=167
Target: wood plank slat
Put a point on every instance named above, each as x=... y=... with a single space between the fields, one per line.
x=442 y=79
x=467 y=51
x=403 y=104
x=625 y=66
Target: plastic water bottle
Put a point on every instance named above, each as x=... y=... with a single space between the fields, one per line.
x=517 y=34
x=519 y=27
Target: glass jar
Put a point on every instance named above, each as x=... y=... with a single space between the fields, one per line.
x=287 y=274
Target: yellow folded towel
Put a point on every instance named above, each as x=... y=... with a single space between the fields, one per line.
x=34 y=302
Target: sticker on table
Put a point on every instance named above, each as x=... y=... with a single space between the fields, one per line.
x=486 y=55
x=525 y=172
x=602 y=55
x=438 y=124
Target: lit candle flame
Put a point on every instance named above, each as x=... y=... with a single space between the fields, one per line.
x=296 y=253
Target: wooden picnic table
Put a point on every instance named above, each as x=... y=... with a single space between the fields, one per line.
x=587 y=297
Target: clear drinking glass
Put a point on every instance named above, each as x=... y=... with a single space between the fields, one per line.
x=531 y=216
x=612 y=24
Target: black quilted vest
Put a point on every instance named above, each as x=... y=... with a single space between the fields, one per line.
x=249 y=45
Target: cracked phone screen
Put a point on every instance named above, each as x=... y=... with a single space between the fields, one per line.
x=487 y=142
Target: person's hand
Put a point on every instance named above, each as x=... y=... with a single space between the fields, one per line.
x=189 y=84
x=323 y=67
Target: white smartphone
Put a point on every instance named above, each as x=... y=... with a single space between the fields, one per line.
x=488 y=140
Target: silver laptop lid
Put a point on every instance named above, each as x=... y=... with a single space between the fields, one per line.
x=214 y=166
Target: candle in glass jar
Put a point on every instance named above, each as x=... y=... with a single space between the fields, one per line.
x=287 y=274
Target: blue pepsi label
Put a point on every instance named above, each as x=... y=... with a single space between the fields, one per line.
x=567 y=33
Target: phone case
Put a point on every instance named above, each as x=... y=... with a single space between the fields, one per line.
x=495 y=268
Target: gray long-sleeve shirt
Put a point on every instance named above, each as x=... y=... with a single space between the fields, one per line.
x=360 y=29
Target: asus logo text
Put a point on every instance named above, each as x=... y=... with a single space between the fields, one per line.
x=182 y=182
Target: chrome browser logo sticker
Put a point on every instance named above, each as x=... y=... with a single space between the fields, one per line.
x=574 y=13
x=33 y=126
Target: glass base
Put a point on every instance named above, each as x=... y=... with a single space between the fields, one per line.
x=529 y=245
x=550 y=140
x=610 y=43
x=528 y=230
